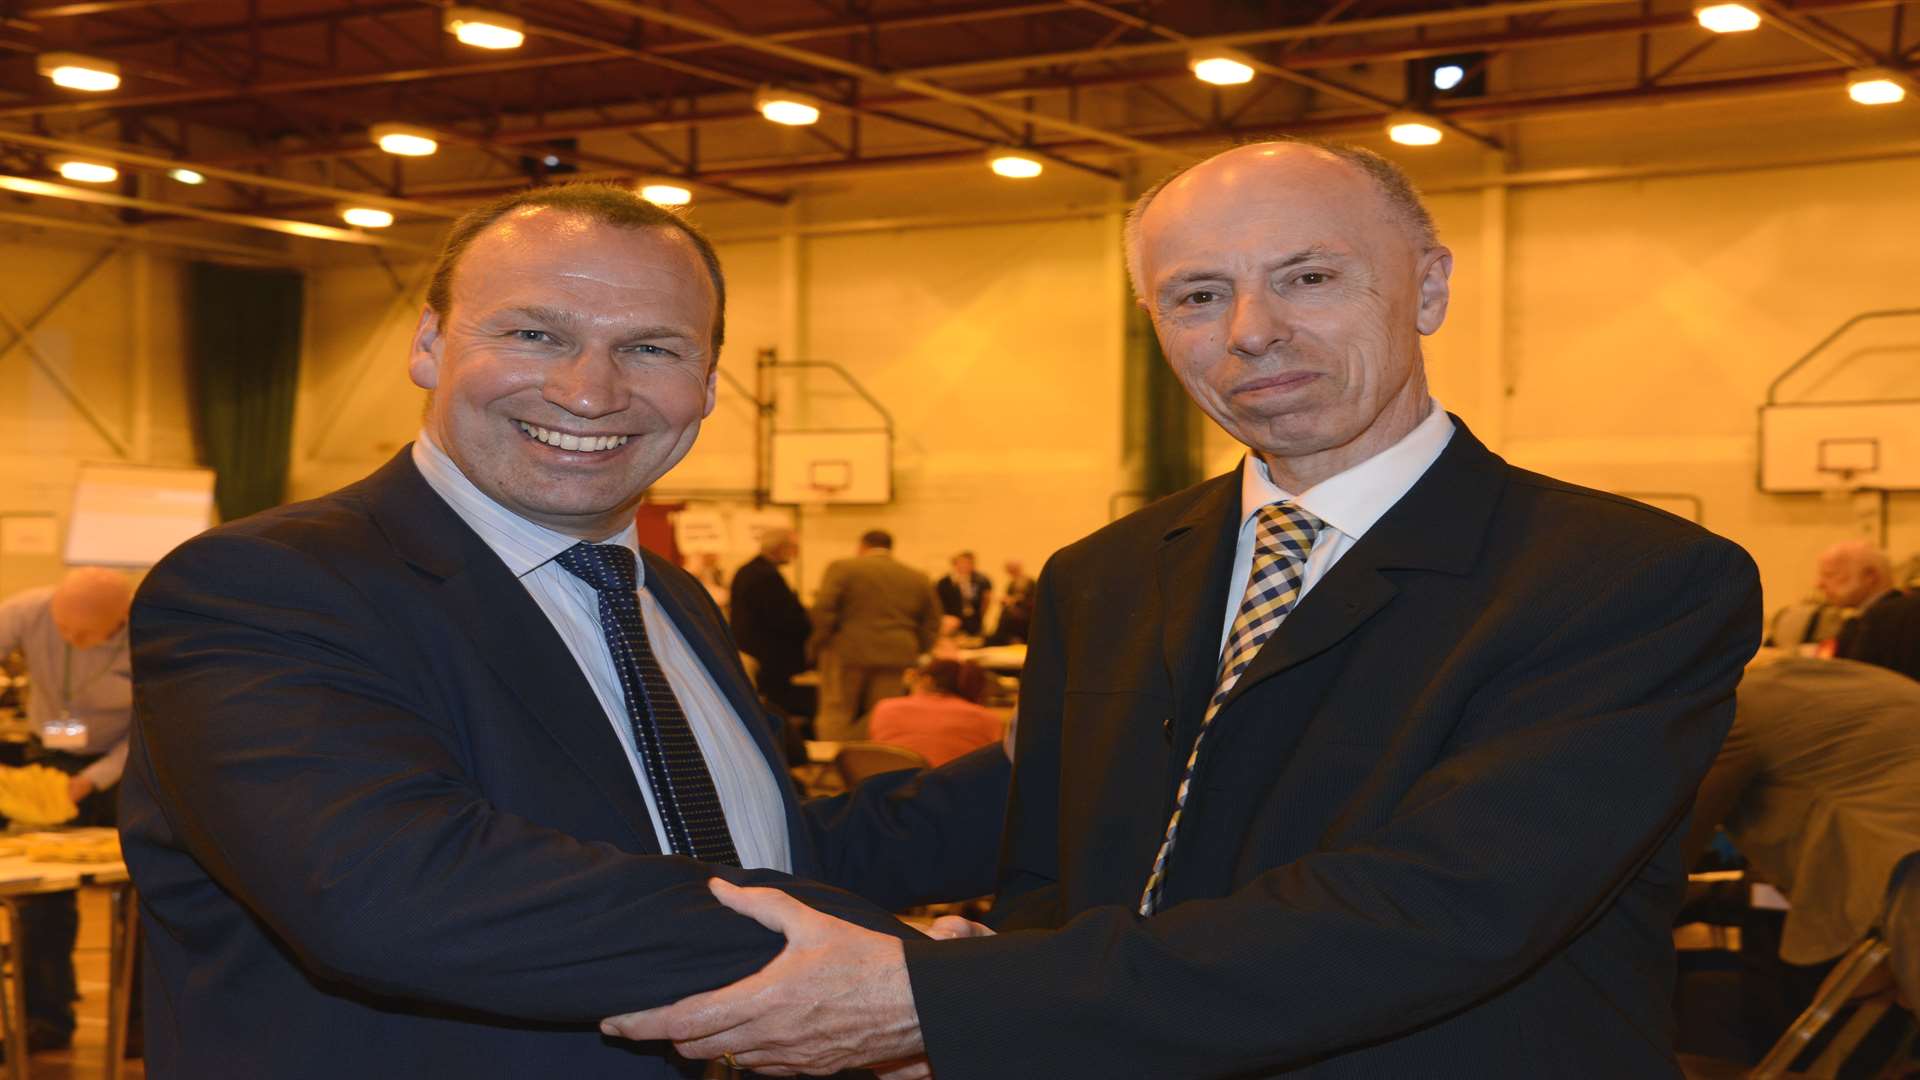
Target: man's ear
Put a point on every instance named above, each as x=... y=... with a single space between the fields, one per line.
x=1436 y=267
x=429 y=344
x=713 y=388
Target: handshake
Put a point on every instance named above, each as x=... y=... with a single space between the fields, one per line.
x=837 y=997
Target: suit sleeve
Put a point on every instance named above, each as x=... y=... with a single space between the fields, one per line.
x=301 y=758
x=826 y=609
x=930 y=612
x=1028 y=889
x=1565 y=774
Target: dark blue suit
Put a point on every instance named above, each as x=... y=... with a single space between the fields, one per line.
x=382 y=827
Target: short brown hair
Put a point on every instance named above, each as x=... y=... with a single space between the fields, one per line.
x=961 y=678
x=609 y=204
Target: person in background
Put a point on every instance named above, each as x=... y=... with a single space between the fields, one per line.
x=964 y=592
x=770 y=623
x=1016 y=607
x=941 y=717
x=872 y=618
x=1885 y=628
x=80 y=706
x=1818 y=785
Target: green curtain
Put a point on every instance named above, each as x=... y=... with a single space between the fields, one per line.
x=243 y=331
x=1163 y=425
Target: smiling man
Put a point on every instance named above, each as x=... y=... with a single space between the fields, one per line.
x=1367 y=759
x=429 y=773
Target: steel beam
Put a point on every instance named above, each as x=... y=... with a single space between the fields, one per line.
x=304 y=229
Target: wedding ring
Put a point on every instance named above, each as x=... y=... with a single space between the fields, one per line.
x=731 y=1064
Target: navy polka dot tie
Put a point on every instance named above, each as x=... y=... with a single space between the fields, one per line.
x=682 y=788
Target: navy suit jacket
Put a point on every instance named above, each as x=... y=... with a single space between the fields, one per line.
x=1434 y=829
x=381 y=826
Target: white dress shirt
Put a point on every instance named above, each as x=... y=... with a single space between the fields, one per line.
x=1346 y=503
x=749 y=792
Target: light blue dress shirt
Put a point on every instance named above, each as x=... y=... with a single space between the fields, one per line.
x=748 y=790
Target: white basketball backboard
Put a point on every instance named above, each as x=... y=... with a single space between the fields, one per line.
x=851 y=467
x=1829 y=446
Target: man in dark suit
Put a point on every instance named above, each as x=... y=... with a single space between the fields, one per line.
x=770 y=623
x=1369 y=759
x=963 y=594
x=1885 y=628
x=429 y=773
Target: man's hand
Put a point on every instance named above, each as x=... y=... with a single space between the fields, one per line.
x=948 y=927
x=836 y=997
x=78 y=787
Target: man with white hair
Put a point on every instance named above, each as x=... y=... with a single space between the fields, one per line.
x=1367 y=759
x=74 y=636
x=1886 y=629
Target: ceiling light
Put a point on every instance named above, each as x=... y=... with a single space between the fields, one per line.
x=666 y=194
x=1221 y=67
x=1875 y=86
x=1413 y=129
x=1726 y=18
x=1013 y=164
x=484 y=29
x=1448 y=76
x=786 y=106
x=404 y=140
x=77 y=72
x=89 y=172
x=186 y=176
x=366 y=217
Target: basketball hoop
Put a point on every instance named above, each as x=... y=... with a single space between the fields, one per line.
x=825 y=479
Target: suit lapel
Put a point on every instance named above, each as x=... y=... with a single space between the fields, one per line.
x=1193 y=563
x=512 y=635
x=1440 y=524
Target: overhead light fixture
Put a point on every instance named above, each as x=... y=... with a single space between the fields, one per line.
x=484 y=29
x=1726 y=18
x=366 y=217
x=666 y=194
x=187 y=176
x=79 y=72
x=88 y=172
x=1221 y=67
x=1875 y=86
x=1413 y=129
x=787 y=107
x=404 y=139
x=1013 y=164
x=1448 y=76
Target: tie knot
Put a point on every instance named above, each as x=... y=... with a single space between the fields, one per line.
x=606 y=567
x=1286 y=529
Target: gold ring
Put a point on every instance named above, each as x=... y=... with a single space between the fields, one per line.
x=731 y=1064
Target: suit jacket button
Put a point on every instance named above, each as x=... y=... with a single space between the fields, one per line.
x=1166 y=730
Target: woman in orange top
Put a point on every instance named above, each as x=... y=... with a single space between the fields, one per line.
x=941 y=718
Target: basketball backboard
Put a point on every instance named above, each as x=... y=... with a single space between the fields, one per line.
x=847 y=467
x=1839 y=446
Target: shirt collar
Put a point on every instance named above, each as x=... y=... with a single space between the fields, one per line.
x=525 y=546
x=1353 y=500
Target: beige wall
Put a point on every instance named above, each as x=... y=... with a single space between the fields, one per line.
x=116 y=341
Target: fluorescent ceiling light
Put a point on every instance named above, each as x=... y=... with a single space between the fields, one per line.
x=1013 y=164
x=366 y=217
x=404 y=140
x=1413 y=129
x=186 y=176
x=1875 y=86
x=787 y=107
x=666 y=194
x=484 y=29
x=1726 y=18
x=1448 y=76
x=79 y=72
x=1221 y=67
x=89 y=172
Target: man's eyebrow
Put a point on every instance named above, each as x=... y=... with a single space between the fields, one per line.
x=557 y=317
x=543 y=314
x=1306 y=254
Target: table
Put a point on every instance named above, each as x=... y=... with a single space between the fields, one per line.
x=21 y=878
x=1000 y=659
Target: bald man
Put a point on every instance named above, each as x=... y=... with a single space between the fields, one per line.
x=1367 y=759
x=1886 y=627
x=74 y=636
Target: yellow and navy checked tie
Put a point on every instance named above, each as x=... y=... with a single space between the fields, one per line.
x=1282 y=539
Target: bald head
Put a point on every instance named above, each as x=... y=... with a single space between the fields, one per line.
x=90 y=605
x=1399 y=201
x=1853 y=572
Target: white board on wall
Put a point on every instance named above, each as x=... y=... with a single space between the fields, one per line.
x=132 y=515
x=1824 y=446
x=850 y=467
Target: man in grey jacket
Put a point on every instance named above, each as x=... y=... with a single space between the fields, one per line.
x=872 y=618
